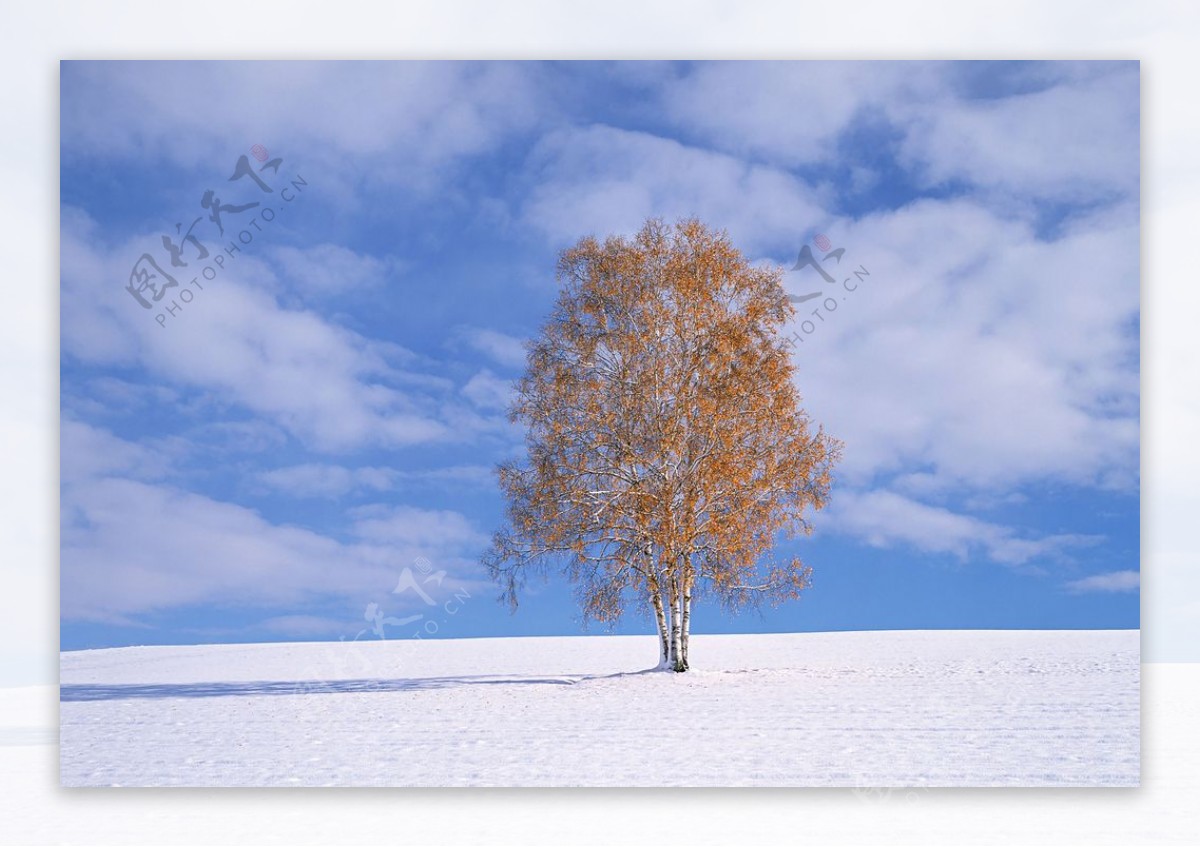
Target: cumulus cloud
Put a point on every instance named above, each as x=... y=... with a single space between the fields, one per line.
x=488 y=391
x=885 y=519
x=326 y=385
x=406 y=525
x=329 y=269
x=89 y=452
x=1108 y=583
x=502 y=348
x=599 y=180
x=397 y=122
x=788 y=112
x=979 y=353
x=324 y=480
x=132 y=547
x=974 y=360
x=1064 y=130
x=1074 y=140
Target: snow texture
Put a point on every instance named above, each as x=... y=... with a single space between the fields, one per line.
x=857 y=709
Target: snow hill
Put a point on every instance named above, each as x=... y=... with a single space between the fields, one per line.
x=858 y=709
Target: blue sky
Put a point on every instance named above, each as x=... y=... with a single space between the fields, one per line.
x=266 y=461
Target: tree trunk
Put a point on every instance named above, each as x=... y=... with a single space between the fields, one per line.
x=660 y=618
x=676 y=628
x=687 y=620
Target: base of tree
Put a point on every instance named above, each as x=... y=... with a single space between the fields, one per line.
x=674 y=667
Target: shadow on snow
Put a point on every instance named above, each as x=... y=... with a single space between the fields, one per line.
x=81 y=693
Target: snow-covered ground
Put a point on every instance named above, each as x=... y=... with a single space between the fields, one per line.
x=860 y=709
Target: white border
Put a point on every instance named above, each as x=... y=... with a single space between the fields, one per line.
x=1164 y=35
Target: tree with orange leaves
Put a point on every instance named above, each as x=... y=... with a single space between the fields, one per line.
x=667 y=448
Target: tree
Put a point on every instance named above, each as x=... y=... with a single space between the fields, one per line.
x=667 y=448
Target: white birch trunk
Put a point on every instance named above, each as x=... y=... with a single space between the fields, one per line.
x=660 y=618
x=676 y=658
x=687 y=621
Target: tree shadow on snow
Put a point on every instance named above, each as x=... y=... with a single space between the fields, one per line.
x=80 y=693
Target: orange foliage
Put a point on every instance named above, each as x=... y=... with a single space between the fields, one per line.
x=667 y=445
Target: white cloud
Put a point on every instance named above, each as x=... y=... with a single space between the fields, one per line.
x=88 y=452
x=975 y=360
x=600 y=180
x=405 y=525
x=978 y=354
x=405 y=122
x=130 y=547
x=328 y=386
x=1073 y=135
x=324 y=480
x=504 y=349
x=884 y=519
x=248 y=436
x=1109 y=583
x=488 y=391
x=789 y=112
x=327 y=269
x=1075 y=140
